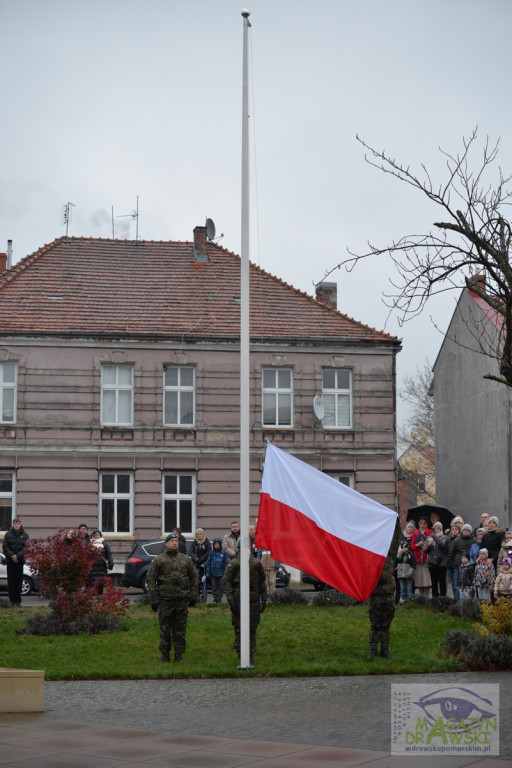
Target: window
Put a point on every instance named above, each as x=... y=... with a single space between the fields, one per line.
x=179 y=395
x=347 y=478
x=420 y=483
x=337 y=397
x=7 y=500
x=277 y=397
x=116 y=502
x=8 y=392
x=117 y=395
x=179 y=503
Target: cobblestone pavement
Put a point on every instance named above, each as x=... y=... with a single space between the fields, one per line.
x=268 y=723
x=331 y=711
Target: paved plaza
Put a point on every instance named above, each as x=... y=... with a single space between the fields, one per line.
x=266 y=722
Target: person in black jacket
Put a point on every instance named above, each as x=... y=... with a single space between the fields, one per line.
x=199 y=554
x=14 y=551
x=493 y=539
x=103 y=563
x=461 y=545
x=182 y=542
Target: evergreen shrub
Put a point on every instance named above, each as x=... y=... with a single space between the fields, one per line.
x=287 y=596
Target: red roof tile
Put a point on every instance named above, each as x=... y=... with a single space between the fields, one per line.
x=91 y=286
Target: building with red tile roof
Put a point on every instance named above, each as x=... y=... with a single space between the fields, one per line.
x=120 y=387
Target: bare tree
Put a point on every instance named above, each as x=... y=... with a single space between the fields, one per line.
x=417 y=465
x=473 y=238
x=418 y=430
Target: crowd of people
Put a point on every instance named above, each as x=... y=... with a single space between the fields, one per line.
x=476 y=562
x=13 y=546
x=211 y=558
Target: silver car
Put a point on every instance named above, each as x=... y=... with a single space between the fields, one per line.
x=29 y=584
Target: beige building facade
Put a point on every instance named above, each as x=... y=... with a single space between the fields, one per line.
x=120 y=389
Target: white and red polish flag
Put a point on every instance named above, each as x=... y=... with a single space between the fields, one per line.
x=313 y=522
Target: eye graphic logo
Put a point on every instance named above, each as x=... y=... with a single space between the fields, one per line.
x=460 y=705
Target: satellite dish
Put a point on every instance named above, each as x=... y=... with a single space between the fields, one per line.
x=318 y=407
x=210 y=229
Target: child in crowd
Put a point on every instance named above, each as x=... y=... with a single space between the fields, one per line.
x=484 y=576
x=503 y=583
x=215 y=566
x=465 y=577
x=405 y=567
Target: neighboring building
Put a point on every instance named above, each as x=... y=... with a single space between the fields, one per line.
x=416 y=478
x=472 y=416
x=119 y=365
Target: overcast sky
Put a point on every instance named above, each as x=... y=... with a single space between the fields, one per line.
x=106 y=100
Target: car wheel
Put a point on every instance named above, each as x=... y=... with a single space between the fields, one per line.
x=144 y=583
x=26 y=587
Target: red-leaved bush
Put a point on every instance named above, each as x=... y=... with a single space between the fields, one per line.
x=63 y=570
x=61 y=567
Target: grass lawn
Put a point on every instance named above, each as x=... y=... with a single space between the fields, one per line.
x=293 y=640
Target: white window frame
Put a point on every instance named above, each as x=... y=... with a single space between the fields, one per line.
x=178 y=390
x=115 y=496
x=117 y=387
x=9 y=494
x=9 y=386
x=347 y=478
x=276 y=392
x=178 y=497
x=336 y=393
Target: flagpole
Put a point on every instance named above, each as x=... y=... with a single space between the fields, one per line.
x=244 y=364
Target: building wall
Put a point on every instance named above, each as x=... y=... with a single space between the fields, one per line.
x=414 y=463
x=472 y=423
x=58 y=447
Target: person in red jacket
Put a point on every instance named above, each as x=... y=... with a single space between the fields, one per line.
x=420 y=545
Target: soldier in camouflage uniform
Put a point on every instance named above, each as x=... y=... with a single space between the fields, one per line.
x=257 y=598
x=381 y=606
x=172 y=586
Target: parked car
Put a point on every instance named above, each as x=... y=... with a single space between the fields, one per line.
x=282 y=576
x=318 y=585
x=137 y=564
x=144 y=552
x=28 y=585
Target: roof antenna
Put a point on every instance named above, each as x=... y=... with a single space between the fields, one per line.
x=134 y=215
x=66 y=217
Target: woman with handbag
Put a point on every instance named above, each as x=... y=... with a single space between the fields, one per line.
x=436 y=560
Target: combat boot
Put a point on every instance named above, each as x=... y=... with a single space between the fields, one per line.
x=374 y=639
x=165 y=656
x=178 y=657
x=384 y=646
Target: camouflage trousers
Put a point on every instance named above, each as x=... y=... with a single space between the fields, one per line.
x=172 y=617
x=381 y=612
x=254 y=620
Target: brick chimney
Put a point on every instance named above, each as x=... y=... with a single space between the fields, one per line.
x=477 y=281
x=3 y=262
x=200 y=241
x=327 y=293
